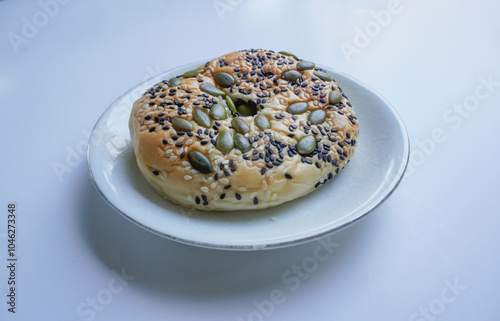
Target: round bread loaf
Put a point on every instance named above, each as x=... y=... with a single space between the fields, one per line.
x=247 y=130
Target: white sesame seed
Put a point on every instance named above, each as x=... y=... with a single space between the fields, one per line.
x=268 y=194
x=274 y=196
x=173 y=158
x=190 y=198
x=188 y=142
x=224 y=180
x=253 y=194
x=204 y=189
x=143 y=127
x=150 y=122
x=225 y=162
x=187 y=177
x=184 y=163
x=214 y=184
x=242 y=189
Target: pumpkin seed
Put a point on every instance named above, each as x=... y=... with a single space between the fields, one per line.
x=200 y=162
x=323 y=75
x=305 y=65
x=223 y=79
x=224 y=142
x=335 y=96
x=286 y=53
x=240 y=125
x=317 y=117
x=202 y=118
x=192 y=73
x=211 y=90
x=230 y=104
x=182 y=124
x=297 y=108
x=218 y=112
x=241 y=142
x=306 y=145
x=262 y=122
x=172 y=82
x=291 y=75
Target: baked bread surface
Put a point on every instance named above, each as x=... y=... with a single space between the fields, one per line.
x=275 y=165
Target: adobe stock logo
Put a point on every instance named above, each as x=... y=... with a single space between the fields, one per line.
x=104 y=297
x=292 y=279
x=454 y=117
x=363 y=36
x=223 y=6
x=31 y=27
x=451 y=291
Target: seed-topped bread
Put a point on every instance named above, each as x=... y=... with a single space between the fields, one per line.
x=247 y=130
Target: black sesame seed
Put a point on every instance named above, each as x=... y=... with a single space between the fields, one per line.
x=238 y=196
x=152 y=129
x=288 y=176
x=164 y=141
x=197 y=200
x=156 y=173
x=222 y=196
x=263 y=171
x=256 y=201
x=226 y=173
x=227 y=187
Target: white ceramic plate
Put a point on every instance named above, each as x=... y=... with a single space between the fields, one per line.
x=372 y=174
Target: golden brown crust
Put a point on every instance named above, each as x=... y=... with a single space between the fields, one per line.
x=272 y=171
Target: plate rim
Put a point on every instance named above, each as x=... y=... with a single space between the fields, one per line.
x=269 y=245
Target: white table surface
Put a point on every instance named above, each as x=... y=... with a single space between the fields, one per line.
x=430 y=252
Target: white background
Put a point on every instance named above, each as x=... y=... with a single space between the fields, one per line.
x=430 y=252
